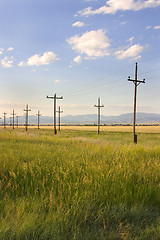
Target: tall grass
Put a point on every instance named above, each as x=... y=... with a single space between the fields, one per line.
x=78 y=185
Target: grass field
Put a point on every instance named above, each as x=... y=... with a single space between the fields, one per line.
x=80 y=185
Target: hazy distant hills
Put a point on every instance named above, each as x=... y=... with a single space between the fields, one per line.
x=124 y=118
x=92 y=118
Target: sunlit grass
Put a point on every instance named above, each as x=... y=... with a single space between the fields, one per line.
x=139 y=128
x=78 y=185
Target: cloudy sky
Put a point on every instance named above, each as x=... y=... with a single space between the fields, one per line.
x=80 y=50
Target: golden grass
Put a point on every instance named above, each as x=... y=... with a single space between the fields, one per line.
x=139 y=129
x=143 y=129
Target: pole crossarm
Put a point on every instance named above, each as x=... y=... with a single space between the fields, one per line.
x=59 y=111
x=38 y=114
x=27 y=110
x=98 y=106
x=136 y=81
x=53 y=97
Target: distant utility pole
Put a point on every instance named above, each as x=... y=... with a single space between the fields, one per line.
x=38 y=114
x=59 y=111
x=99 y=107
x=136 y=84
x=13 y=114
x=17 y=120
x=55 y=97
x=10 y=122
x=27 y=110
x=4 y=119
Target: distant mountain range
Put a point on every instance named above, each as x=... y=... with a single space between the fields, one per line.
x=92 y=118
x=123 y=118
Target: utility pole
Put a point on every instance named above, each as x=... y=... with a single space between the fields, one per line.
x=59 y=111
x=27 y=110
x=136 y=84
x=55 y=97
x=17 y=120
x=99 y=107
x=13 y=114
x=10 y=122
x=4 y=119
x=38 y=114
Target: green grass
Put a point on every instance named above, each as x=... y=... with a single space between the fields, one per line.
x=78 y=185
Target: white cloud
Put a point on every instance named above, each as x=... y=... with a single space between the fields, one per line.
x=123 y=23
x=148 y=27
x=7 y=62
x=92 y=44
x=1 y=50
x=112 y=6
x=132 y=52
x=37 y=60
x=131 y=39
x=78 y=59
x=91 y=0
x=156 y=27
x=21 y=64
x=57 y=81
x=10 y=49
x=78 y=24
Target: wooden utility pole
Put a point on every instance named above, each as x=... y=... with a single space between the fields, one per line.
x=4 y=119
x=59 y=111
x=136 y=84
x=10 y=121
x=38 y=114
x=99 y=107
x=27 y=110
x=13 y=114
x=17 y=120
x=55 y=98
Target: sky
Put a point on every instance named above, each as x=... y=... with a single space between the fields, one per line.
x=80 y=50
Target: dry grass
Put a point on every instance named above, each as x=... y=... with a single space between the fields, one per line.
x=79 y=185
x=139 y=129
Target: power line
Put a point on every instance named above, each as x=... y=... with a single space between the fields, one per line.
x=88 y=85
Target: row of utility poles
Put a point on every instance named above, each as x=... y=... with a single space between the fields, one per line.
x=136 y=84
x=99 y=106
x=27 y=110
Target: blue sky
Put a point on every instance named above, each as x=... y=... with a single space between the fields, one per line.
x=80 y=50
